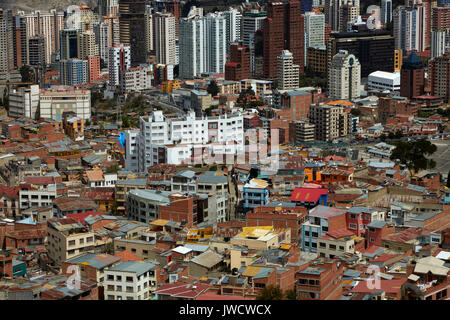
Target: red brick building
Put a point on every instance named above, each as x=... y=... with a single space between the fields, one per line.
x=282 y=30
x=238 y=66
x=292 y=218
x=181 y=209
x=376 y=230
x=412 y=77
x=440 y=18
x=320 y=281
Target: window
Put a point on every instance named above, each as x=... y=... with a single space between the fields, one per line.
x=129 y=279
x=322 y=244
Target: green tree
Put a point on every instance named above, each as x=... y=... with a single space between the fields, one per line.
x=212 y=88
x=270 y=293
x=291 y=295
x=414 y=154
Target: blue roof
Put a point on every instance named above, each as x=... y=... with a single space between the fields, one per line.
x=378 y=224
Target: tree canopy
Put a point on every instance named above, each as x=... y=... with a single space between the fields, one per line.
x=270 y=293
x=212 y=88
x=413 y=154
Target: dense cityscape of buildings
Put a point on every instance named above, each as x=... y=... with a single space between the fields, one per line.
x=170 y=151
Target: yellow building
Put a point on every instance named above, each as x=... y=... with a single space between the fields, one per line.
x=398 y=60
x=170 y=85
x=262 y=237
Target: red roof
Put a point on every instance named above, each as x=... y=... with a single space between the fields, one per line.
x=127 y=256
x=39 y=180
x=10 y=192
x=308 y=194
x=339 y=233
x=83 y=215
x=215 y=296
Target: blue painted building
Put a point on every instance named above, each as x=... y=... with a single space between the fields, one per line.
x=256 y=194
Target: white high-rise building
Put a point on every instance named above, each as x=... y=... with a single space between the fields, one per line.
x=386 y=11
x=191 y=47
x=172 y=141
x=288 y=73
x=131 y=161
x=344 y=78
x=333 y=11
x=215 y=43
x=233 y=26
x=438 y=46
x=101 y=38
x=24 y=102
x=409 y=28
x=164 y=38
x=149 y=28
x=6 y=41
x=119 y=61
x=314 y=31
x=202 y=45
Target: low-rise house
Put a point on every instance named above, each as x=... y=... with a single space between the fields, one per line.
x=131 y=280
x=336 y=243
x=262 y=237
x=208 y=263
x=65 y=205
x=181 y=291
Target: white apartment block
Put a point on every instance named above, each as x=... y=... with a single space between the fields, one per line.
x=57 y=99
x=130 y=280
x=191 y=47
x=24 y=102
x=131 y=161
x=149 y=28
x=137 y=79
x=438 y=43
x=409 y=28
x=386 y=11
x=344 y=76
x=233 y=26
x=36 y=198
x=288 y=73
x=119 y=61
x=202 y=44
x=164 y=38
x=172 y=141
x=314 y=30
x=101 y=37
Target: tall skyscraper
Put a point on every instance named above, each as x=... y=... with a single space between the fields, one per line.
x=6 y=41
x=440 y=77
x=314 y=30
x=347 y=12
x=344 y=76
x=288 y=72
x=438 y=44
x=412 y=77
x=132 y=29
x=36 y=51
x=87 y=46
x=101 y=38
x=202 y=45
x=149 y=29
x=283 y=30
x=251 y=22
x=333 y=11
x=119 y=61
x=374 y=50
x=386 y=11
x=73 y=72
x=233 y=26
x=164 y=38
x=69 y=44
x=107 y=8
x=410 y=28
